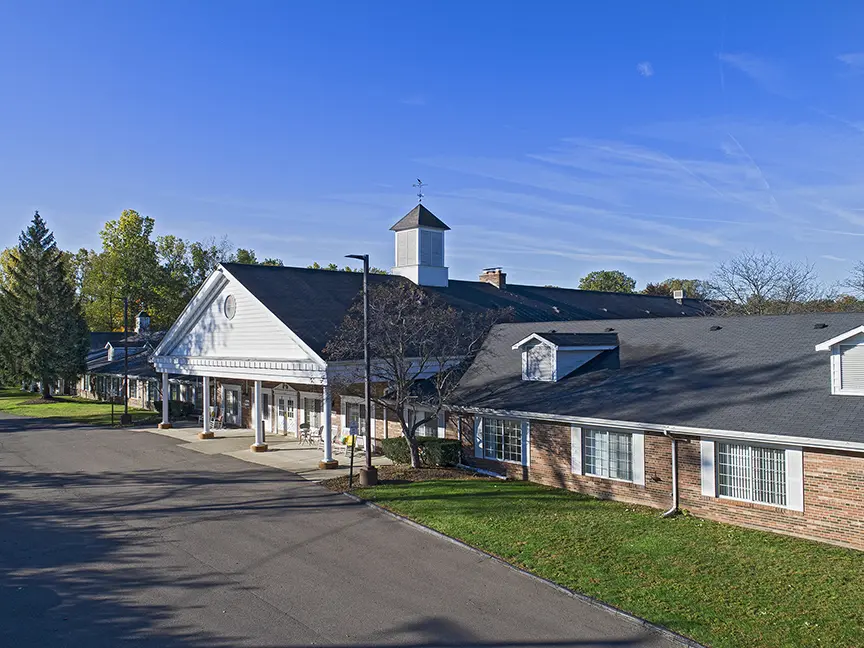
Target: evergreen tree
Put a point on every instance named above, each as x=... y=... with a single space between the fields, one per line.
x=43 y=335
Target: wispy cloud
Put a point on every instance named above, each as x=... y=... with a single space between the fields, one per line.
x=831 y=257
x=645 y=69
x=854 y=60
x=413 y=100
x=763 y=72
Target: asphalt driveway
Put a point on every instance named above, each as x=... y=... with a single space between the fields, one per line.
x=110 y=537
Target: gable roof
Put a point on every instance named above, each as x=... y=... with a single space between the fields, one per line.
x=837 y=339
x=757 y=374
x=313 y=303
x=574 y=339
x=419 y=217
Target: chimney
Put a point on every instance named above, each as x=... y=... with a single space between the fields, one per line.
x=494 y=276
x=142 y=322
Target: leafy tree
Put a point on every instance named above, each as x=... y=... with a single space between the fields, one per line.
x=245 y=256
x=693 y=288
x=43 y=335
x=7 y=264
x=608 y=281
x=204 y=257
x=336 y=268
x=272 y=262
x=419 y=346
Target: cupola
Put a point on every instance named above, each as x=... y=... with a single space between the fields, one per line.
x=420 y=248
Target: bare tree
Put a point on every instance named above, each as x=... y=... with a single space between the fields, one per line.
x=758 y=283
x=419 y=346
x=855 y=281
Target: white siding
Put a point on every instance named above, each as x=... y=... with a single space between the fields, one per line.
x=852 y=367
x=254 y=332
x=537 y=361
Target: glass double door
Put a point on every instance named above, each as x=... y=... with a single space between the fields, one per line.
x=286 y=413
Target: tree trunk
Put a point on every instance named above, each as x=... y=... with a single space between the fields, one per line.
x=46 y=389
x=414 y=450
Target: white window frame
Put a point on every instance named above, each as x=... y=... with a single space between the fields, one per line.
x=794 y=473
x=479 y=445
x=637 y=454
x=223 y=401
x=355 y=400
x=425 y=411
x=301 y=406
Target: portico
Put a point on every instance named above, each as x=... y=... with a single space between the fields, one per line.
x=256 y=372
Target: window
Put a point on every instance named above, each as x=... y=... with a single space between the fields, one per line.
x=355 y=418
x=133 y=389
x=312 y=408
x=502 y=439
x=608 y=454
x=429 y=428
x=174 y=392
x=751 y=473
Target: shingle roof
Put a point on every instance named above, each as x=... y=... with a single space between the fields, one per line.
x=579 y=339
x=419 y=217
x=755 y=374
x=312 y=303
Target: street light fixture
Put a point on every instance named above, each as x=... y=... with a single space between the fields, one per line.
x=368 y=474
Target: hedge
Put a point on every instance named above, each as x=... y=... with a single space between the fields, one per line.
x=433 y=451
x=177 y=410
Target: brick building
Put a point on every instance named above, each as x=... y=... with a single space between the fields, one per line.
x=755 y=421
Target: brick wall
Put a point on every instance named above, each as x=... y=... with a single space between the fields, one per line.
x=833 y=499
x=833 y=485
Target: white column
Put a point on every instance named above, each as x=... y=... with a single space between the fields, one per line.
x=259 y=445
x=328 y=429
x=206 y=434
x=166 y=393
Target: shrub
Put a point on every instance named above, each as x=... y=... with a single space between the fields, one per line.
x=433 y=451
x=176 y=409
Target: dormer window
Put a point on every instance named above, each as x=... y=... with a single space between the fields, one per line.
x=552 y=356
x=847 y=362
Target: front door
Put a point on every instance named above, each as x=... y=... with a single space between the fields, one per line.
x=286 y=413
x=231 y=406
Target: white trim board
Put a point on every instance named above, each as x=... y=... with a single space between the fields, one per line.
x=825 y=346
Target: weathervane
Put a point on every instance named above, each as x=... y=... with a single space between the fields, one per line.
x=419 y=186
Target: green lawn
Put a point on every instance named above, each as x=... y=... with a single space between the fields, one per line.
x=721 y=585
x=74 y=409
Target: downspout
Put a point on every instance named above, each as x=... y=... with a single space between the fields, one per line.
x=672 y=511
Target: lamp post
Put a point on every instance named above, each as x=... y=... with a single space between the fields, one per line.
x=368 y=474
x=126 y=418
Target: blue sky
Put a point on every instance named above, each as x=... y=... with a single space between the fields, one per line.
x=555 y=138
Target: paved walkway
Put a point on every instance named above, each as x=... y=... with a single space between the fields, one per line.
x=284 y=453
x=111 y=536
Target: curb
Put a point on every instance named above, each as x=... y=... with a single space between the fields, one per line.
x=590 y=600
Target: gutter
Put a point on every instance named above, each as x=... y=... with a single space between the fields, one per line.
x=675 y=501
x=848 y=446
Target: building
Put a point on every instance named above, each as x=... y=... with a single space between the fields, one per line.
x=754 y=421
x=106 y=367
x=256 y=335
